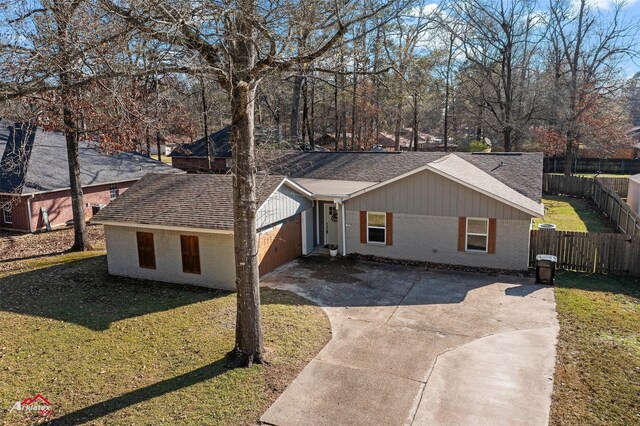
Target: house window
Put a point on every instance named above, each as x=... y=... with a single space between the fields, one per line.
x=5 y=204
x=229 y=162
x=376 y=227
x=190 y=254
x=146 y=250
x=113 y=191
x=477 y=235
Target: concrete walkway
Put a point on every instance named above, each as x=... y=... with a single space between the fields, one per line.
x=412 y=346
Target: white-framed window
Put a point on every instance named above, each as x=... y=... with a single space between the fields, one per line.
x=377 y=227
x=228 y=163
x=5 y=204
x=477 y=238
x=113 y=191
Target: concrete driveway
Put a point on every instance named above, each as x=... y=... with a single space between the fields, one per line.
x=417 y=346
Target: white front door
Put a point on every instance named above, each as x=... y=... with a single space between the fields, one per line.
x=330 y=224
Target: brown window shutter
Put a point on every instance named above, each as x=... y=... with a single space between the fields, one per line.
x=146 y=250
x=363 y=227
x=190 y=254
x=389 y=229
x=462 y=232
x=492 y=236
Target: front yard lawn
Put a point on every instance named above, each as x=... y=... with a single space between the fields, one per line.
x=573 y=214
x=597 y=378
x=107 y=350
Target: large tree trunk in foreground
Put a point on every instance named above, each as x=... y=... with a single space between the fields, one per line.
x=249 y=343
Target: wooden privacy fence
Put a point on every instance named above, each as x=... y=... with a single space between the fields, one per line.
x=593 y=165
x=613 y=254
x=604 y=191
x=626 y=220
x=568 y=185
x=619 y=185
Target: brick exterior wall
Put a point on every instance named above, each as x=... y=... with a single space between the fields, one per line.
x=435 y=239
x=58 y=205
x=199 y=164
x=20 y=216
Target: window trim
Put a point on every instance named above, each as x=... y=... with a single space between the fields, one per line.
x=6 y=211
x=485 y=235
x=113 y=187
x=382 y=243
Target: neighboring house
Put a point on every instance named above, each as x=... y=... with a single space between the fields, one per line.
x=633 y=194
x=192 y=157
x=34 y=177
x=463 y=209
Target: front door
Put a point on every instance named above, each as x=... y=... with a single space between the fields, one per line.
x=330 y=224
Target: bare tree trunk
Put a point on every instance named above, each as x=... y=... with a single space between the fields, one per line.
x=205 y=123
x=158 y=142
x=337 y=113
x=305 y=113
x=398 y=124
x=311 y=126
x=295 y=108
x=62 y=16
x=446 y=92
x=415 y=121
x=81 y=239
x=148 y=141
x=249 y=341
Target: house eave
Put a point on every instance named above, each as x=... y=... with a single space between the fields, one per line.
x=163 y=227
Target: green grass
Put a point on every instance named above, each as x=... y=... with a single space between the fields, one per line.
x=108 y=350
x=573 y=214
x=597 y=378
x=165 y=158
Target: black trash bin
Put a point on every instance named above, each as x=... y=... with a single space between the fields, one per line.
x=545 y=268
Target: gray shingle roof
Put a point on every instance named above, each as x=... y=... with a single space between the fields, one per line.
x=220 y=146
x=40 y=163
x=189 y=200
x=520 y=171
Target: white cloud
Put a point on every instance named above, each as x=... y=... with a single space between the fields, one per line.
x=604 y=4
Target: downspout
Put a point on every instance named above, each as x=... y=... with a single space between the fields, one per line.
x=317 y=223
x=344 y=230
x=29 y=217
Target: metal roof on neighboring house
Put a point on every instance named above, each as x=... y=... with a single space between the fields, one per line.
x=36 y=161
x=201 y=201
x=519 y=171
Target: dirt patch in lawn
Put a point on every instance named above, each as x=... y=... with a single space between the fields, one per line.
x=109 y=350
x=18 y=247
x=597 y=379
